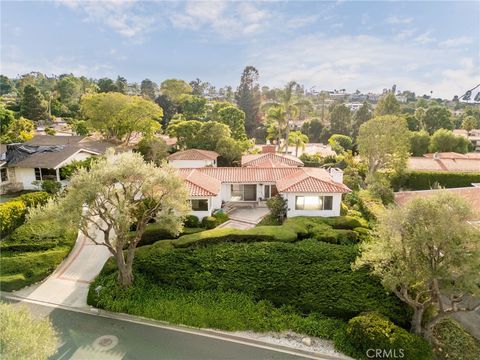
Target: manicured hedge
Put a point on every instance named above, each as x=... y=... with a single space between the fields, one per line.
x=456 y=343
x=211 y=222
x=156 y=232
x=371 y=331
x=424 y=180
x=192 y=221
x=12 y=213
x=309 y=275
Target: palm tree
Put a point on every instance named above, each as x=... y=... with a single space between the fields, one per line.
x=298 y=139
x=276 y=123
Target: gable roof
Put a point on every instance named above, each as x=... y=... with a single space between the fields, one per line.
x=194 y=154
x=452 y=155
x=310 y=180
x=50 y=140
x=199 y=184
x=287 y=179
x=270 y=159
x=50 y=160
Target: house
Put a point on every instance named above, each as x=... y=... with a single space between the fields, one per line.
x=449 y=161
x=308 y=191
x=269 y=159
x=41 y=158
x=193 y=158
x=473 y=136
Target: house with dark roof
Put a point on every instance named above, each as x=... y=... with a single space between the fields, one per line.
x=41 y=158
x=308 y=191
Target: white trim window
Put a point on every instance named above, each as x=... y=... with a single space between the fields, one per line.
x=313 y=202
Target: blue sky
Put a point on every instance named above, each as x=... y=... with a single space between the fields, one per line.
x=420 y=46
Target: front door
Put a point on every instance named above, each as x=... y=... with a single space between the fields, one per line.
x=250 y=192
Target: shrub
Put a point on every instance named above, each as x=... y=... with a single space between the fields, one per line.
x=34 y=198
x=343 y=209
x=374 y=331
x=209 y=222
x=51 y=186
x=369 y=206
x=278 y=207
x=192 y=221
x=221 y=217
x=12 y=215
x=308 y=275
x=157 y=232
x=455 y=342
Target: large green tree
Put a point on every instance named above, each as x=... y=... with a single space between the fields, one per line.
x=469 y=123
x=419 y=142
x=6 y=118
x=428 y=255
x=384 y=143
x=437 y=117
x=297 y=139
x=209 y=135
x=153 y=149
x=340 y=120
x=387 y=105
x=118 y=193
x=444 y=140
x=248 y=98
x=148 y=89
x=70 y=89
x=19 y=130
x=234 y=118
x=32 y=104
x=361 y=116
x=313 y=129
x=185 y=132
x=118 y=116
x=6 y=85
x=174 y=89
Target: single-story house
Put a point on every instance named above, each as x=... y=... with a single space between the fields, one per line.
x=447 y=161
x=308 y=191
x=269 y=159
x=41 y=158
x=193 y=158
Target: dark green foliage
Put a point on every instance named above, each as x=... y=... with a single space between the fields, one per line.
x=192 y=221
x=51 y=186
x=278 y=208
x=419 y=142
x=32 y=104
x=456 y=342
x=424 y=180
x=156 y=232
x=34 y=198
x=374 y=331
x=211 y=222
x=225 y=310
x=67 y=170
x=309 y=275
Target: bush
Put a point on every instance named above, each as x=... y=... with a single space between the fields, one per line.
x=192 y=221
x=211 y=222
x=425 y=180
x=51 y=186
x=374 y=331
x=456 y=342
x=157 y=232
x=36 y=198
x=278 y=208
x=308 y=275
x=12 y=215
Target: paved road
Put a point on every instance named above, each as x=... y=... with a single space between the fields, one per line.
x=91 y=337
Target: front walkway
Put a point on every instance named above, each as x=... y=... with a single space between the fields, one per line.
x=245 y=218
x=68 y=285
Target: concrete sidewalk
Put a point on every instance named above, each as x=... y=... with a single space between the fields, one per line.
x=68 y=285
x=245 y=218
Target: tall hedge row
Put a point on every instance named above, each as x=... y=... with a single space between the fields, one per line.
x=424 y=180
x=310 y=275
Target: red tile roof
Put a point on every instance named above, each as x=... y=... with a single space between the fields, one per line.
x=452 y=155
x=199 y=184
x=446 y=164
x=263 y=160
x=194 y=154
x=287 y=179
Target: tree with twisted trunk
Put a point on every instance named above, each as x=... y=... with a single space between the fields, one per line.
x=428 y=255
x=118 y=193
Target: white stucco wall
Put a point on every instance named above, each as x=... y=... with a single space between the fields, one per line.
x=214 y=202
x=336 y=205
x=192 y=163
x=26 y=176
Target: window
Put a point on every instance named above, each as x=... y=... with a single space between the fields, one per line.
x=4 y=174
x=270 y=191
x=200 y=204
x=38 y=174
x=313 y=202
x=243 y=192
x=49 y=174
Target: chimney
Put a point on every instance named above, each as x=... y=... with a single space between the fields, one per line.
x=337 y=175
x=268 y=149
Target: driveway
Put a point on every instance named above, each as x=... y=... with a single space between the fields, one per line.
x=68 y=285
x=245 y=218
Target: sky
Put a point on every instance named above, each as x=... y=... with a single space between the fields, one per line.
x=419 y=46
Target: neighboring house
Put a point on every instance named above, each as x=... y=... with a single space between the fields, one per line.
x=269 y=159
x=193 y=158
x=449 y=161
x=473 y=136
x=41 y=158
x=308 y=191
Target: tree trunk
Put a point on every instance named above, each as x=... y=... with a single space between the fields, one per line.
x=417 y=319
x=296 y=150
x=125 y=273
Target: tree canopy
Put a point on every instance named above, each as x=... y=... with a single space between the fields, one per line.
x=387 y=105
x=444 y=140
x=248 y=98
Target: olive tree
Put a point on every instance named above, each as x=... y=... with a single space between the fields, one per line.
x=119 y=193
x=428 y=255
x=24 y=337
